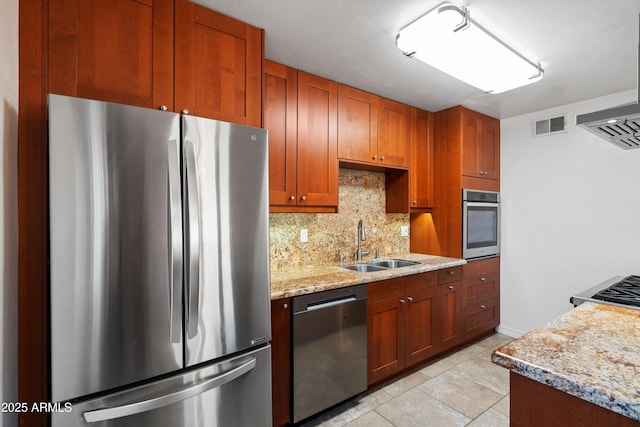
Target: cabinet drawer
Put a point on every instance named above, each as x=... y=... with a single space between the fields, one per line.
x=479 y=288
x=478 y=268
x=421 y=281
x=447 y=275
x=481 y=318
x=385 y=289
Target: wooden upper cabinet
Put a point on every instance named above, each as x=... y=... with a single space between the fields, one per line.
x=357 y=125
x=299 y=111
x=218 y=65
x=112 y=50
x=123 y=51
x=490 y=148
x=421 y=159
x=280 y=118
x=372 y=130
x=317 y=178
x=394 y=134
x=480 y=145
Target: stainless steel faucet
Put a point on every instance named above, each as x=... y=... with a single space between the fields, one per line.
x=361 y=238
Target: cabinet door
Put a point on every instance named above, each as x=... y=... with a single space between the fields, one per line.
x=480 y=145
x=450 y=316
x=421 y=319
x=421 y=159
x=471 y=128
x=489 y=148
x=394 y=139
x=357 y=125
x=385 y=338
x=317 y=141
x=281 y=360
x=112 y=50
x=218 y=65
x=280 y=119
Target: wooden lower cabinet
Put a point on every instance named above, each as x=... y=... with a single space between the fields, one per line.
x=409 y=320
x=281 y=361
x=481 y=297
x=450 y=304
x=385 y=329
x=535 y=404
x=450 y=323
x=421 y=319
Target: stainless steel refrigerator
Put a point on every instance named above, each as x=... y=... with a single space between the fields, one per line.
x=159 y=268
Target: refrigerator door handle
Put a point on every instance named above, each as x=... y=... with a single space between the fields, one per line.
x=168 y=399
x=193 y=239
x=175 y=243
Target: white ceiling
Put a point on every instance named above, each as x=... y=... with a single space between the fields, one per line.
x=588 y=48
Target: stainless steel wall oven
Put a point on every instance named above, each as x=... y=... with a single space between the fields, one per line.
x=480 y=224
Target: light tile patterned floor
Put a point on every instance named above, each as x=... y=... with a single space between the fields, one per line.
x=462 y=389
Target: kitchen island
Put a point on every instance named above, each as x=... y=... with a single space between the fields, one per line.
x=583 y=368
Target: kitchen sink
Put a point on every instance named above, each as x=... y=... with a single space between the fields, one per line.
x=380 y=265
x=393 y=263
x=364 y=268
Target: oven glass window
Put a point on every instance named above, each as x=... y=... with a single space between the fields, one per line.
x=482 y=227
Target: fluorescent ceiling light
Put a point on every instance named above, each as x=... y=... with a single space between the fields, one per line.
x=448 y=39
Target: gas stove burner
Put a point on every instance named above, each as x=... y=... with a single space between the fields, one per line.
x=626 y=292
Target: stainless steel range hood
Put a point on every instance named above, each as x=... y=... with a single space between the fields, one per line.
x=618 y=125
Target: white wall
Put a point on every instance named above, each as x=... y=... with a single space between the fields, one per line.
x=9 y=207
x=570 y=214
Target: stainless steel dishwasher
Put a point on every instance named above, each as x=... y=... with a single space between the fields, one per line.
x=329 y=349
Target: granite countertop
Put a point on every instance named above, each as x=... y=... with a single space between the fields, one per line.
x=592 y=352
x=293 y=281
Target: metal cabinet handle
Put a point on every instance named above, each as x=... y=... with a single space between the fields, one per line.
x=402 y=301
x=185 y=111
x=374 y=157
x=410 y=299
x=168 y=399
x=292 y=198
x=303 y=198
x=483 y=307
x=381 y=158
x=450 y=287
x=415 y=202
x=482 y=279
x=451 y=272
x=285 y=306
x=163 y=107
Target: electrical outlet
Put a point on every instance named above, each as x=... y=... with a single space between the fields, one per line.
x=304 y=235
x=404 y=230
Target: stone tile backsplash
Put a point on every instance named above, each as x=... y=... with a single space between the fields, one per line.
x=361 y=196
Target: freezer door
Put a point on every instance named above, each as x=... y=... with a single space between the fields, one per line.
x=227 y=291
x=115 y=245
x=235 y=392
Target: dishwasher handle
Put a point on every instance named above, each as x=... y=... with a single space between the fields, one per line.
x=330 y=303
x=330 y=298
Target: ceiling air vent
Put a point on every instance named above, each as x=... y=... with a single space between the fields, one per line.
x=549 y=126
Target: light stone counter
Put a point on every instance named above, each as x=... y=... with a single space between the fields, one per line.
x=592 y=352
x=293 y=281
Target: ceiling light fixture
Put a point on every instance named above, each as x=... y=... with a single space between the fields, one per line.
x=449 y=40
